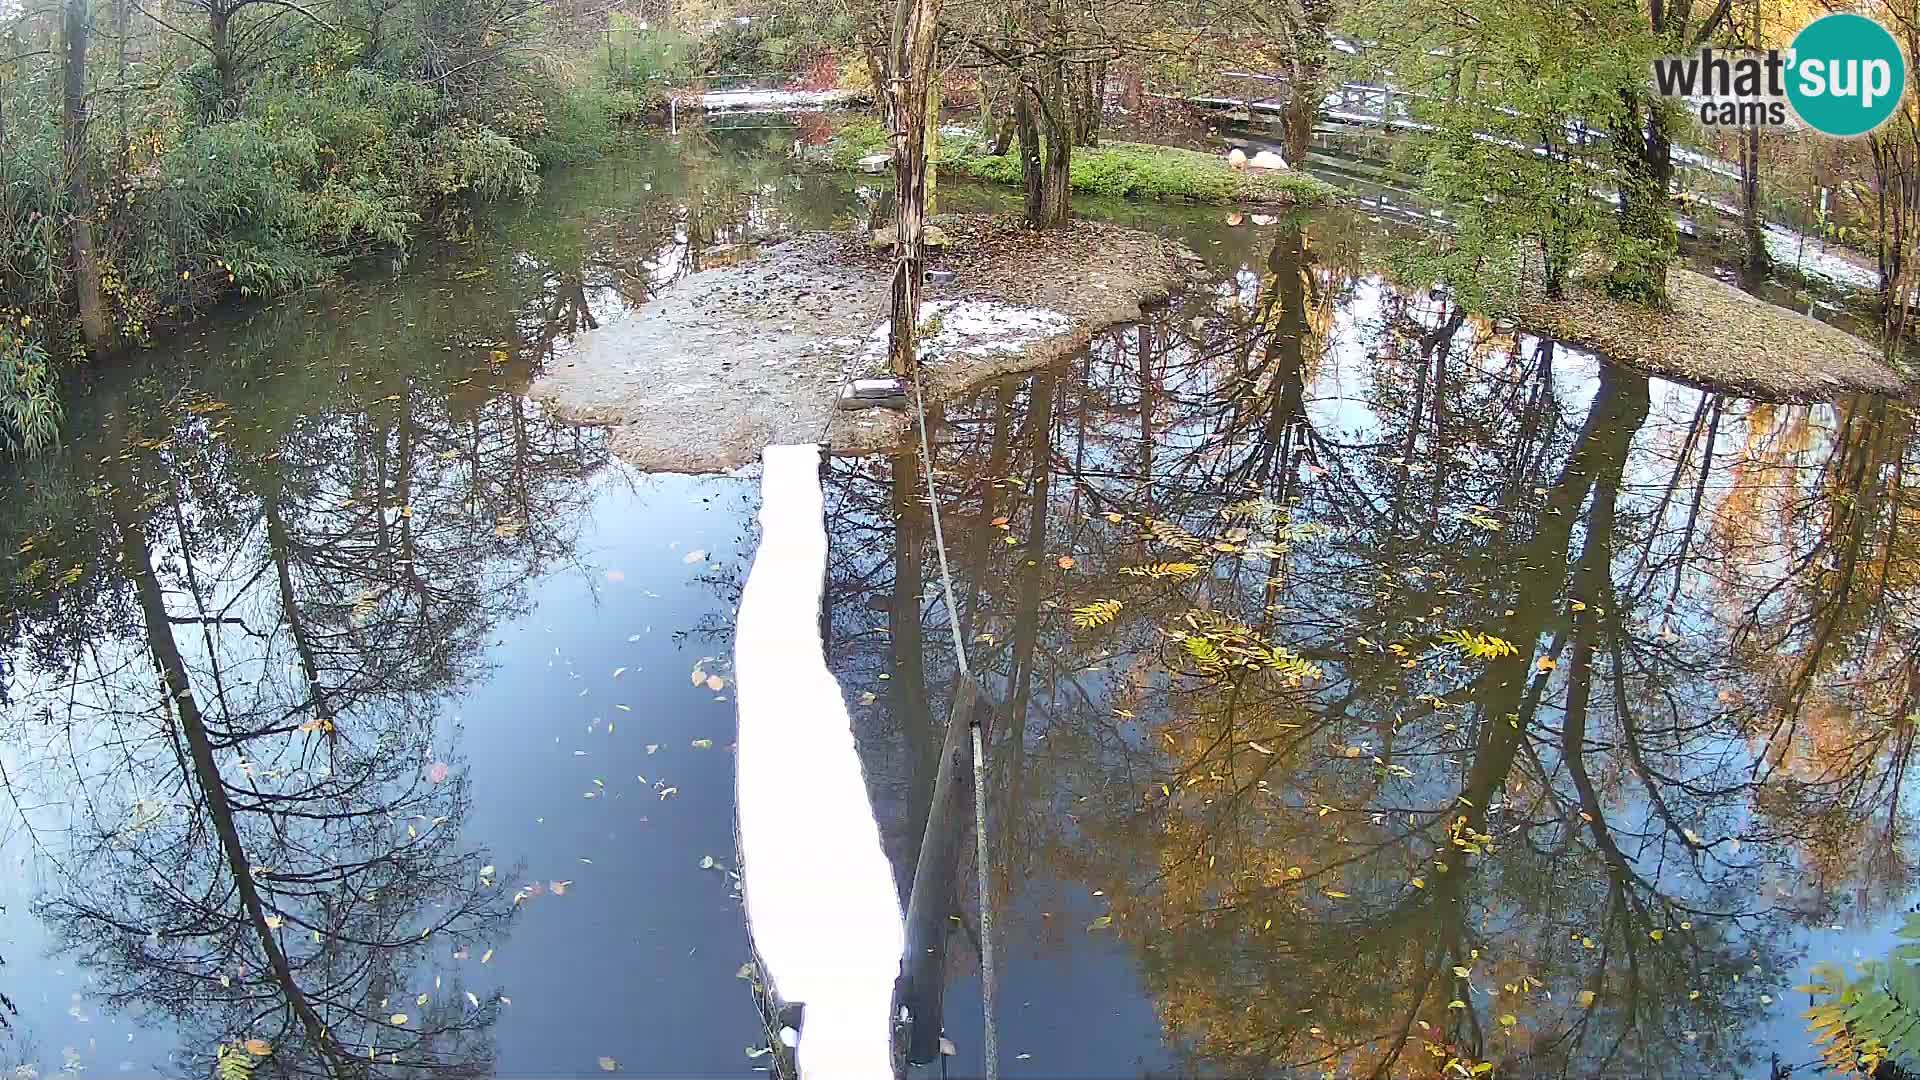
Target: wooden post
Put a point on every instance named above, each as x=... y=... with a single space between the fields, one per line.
x=936 y=874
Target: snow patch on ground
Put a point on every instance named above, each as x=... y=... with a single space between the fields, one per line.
x=821 y=905
x=977 y=328
x=1811 y=257
x=725 y=100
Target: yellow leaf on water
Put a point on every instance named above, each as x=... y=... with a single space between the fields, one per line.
x=486 y=956
x=1587 y=998
x=1100 y=923
x=398 y=1019
x=1336 y=894
x=258 y=1047
x=703 y=744
x=1656 y=934
x=1508 y=1019
x=1461 y=971
x=1456 y=1003
x=421 y=1000
x=1419 y=883
x=607 y=1064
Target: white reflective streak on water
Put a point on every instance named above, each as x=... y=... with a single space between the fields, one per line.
x=821 y=904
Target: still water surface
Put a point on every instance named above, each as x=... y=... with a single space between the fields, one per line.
x=319 y=633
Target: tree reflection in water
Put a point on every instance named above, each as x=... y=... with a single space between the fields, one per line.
x=1590 y=856
x=238 y=644
x=238 y=611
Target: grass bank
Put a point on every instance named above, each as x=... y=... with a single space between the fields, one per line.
x=1127 y=170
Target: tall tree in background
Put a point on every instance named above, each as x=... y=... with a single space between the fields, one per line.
x=1754 y=236
x=1643 y=136
x=86 y=263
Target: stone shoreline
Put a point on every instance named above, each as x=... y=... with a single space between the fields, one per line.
x=1715 y=336
x=727 y=361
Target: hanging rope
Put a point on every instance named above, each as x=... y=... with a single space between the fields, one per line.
x=990 y=1043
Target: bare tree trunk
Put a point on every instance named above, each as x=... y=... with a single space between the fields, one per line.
x=1056 y=181
x=1005 y=118
x=1758 y=263
x=907 y=84
x=86 y=265
x=225 y=78
x=1088 y=102
x=1029 y=136
x=932 y=132
x=1645 y=166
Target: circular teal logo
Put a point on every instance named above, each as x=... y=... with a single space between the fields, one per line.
x=1845 y=75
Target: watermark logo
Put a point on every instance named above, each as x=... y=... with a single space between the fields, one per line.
x=1843 y=76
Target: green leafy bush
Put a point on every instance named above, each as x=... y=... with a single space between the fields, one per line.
x=30 y=412
x=1859 y=1023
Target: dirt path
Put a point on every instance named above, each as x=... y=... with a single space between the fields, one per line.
x=727 y=361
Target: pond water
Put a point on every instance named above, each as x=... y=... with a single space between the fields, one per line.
x=318 y=632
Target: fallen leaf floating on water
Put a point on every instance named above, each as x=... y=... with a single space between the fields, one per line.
x=697 y=555
x=275 y=922
x=1508 y=1020
x=421 y=1000
x=703 y=744
x=1100 y=923
x=486 y=956
x=487 y=870
x=1587 y=998
x=607 y=1064
x=258 y=1047
x=398 y=1019
x=867 y=698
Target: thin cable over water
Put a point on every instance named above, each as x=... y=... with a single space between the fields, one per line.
x=990 y=1042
